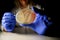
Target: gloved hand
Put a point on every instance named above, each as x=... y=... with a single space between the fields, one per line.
x=8 y=21
x=38 y=25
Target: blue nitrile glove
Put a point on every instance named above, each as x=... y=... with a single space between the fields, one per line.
x=8 y=21
x=38 y=25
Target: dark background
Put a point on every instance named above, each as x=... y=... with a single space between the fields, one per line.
x=50 y=10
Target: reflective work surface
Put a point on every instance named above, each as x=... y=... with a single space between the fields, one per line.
x=15 y=36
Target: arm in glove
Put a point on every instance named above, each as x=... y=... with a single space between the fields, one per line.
x=8 y=21
x=38 y=25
